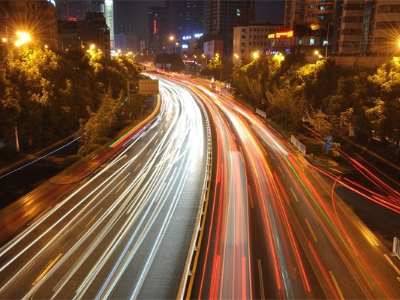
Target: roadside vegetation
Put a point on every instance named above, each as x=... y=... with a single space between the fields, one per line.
x=324 y=97
x=47 y=96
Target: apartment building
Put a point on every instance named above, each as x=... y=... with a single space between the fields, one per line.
x=38 y=18
x=250 y=39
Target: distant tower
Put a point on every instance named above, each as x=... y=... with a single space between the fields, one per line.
x=70 y=10
x=156 y=29
x=109 y=14
x=223 y=15
x=184 y=17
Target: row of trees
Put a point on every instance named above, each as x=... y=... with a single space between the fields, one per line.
x=292 y=89
x=48 y=95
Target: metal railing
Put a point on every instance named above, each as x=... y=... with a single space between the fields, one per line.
x=396 y=246
x=298 y=144
x=186 y=284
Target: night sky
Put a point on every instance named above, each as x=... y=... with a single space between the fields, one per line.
x=135 y=12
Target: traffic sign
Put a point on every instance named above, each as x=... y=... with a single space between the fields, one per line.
x=328 y=146
x=329 y=139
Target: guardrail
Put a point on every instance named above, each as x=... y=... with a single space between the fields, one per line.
x=298 y=144
x=186 y=284
x=396 y=246
x=261 y=113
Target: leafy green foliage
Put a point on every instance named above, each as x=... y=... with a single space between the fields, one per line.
x=45 y=94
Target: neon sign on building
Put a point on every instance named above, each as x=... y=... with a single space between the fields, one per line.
x=155 y=26
x=284 y=34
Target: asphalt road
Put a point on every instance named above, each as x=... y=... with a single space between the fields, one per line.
x=124 y=231
x=276 y=227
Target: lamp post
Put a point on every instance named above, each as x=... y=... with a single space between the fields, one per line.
x=23 y=38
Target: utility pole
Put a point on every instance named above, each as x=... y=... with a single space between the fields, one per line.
x=327 y=41
x=16 y=138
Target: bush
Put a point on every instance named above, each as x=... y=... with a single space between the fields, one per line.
x=314 y=147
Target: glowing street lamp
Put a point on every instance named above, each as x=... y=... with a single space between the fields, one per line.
x=316 y=52
x=256 y=55
x=92 y=46
x=23 y=38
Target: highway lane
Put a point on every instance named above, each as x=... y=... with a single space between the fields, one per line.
x=304 y=241
x=125 y=231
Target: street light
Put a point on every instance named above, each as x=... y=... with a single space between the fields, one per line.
x=316 y=52
x=23 y=38
x=256 y=55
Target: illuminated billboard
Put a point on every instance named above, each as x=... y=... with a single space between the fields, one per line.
x=284 y=34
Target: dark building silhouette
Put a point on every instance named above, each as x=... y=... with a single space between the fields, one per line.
x=223 y=15
x=185 y=17
x=71 y=10
x=156 y=28
x=93 y=30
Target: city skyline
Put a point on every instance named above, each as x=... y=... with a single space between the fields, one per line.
x=134 y=12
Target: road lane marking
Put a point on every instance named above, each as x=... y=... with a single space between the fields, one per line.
x=393 y=265
x=120 y=187
x=280 y=169
x=137 y=167
x=312 y=231
x=49 y=266
x=260 y=275
x=336 y=285
x=368 y=235
x=294 y=195
x=94 y=217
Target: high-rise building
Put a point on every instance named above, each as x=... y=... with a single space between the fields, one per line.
x=311 y=13
x=38 y=18
x=223 y=15
x=156 y=29
x=71 y=10
x=346 y=28
x=184 y=18
x=109 y=15
x=95 y=6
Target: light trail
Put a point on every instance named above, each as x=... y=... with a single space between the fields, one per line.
x=123 y=209
x=39 y=158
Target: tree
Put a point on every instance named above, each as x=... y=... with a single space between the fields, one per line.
x=386 y=112
x=100 y=124
x=174 y=59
